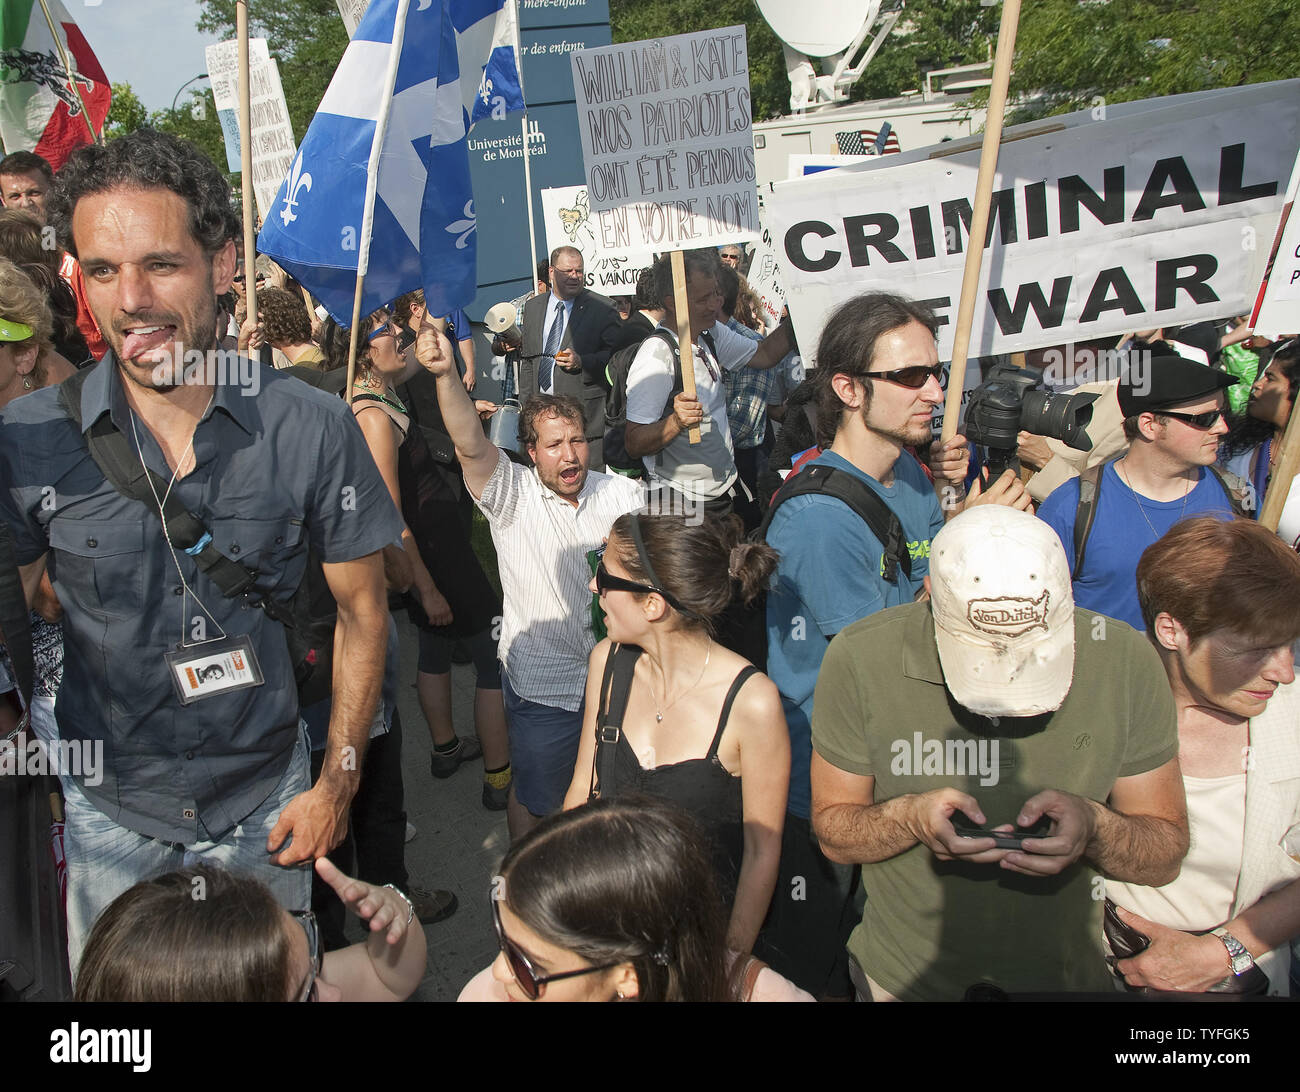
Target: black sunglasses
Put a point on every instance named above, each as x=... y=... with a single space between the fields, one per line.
x=606 y=581
x=1203 y=421
x=914 y=377
x=521 y=967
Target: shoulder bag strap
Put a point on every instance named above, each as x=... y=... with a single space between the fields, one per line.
x=615 y=688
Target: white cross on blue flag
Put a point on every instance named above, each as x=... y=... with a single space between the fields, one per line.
x=423 y=227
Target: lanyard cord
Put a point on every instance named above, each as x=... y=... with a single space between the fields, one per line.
x=188 y=591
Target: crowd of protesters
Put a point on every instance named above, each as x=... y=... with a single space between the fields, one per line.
x=782 y=699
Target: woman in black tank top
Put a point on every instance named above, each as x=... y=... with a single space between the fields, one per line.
x=679 y=716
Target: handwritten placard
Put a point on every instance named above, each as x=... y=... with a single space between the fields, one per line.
x=667 y=140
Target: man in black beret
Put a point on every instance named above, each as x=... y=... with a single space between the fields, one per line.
x=1173 y=419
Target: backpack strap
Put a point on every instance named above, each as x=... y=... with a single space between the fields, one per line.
x=128 y=475
x=743 y=677
x=615 y=689
x=869 y=506
x=1085 y=515
x=1237 y=488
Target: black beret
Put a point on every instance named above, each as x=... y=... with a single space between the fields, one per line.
x=1149 y=385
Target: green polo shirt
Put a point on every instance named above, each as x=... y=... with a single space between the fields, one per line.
x=933 y=928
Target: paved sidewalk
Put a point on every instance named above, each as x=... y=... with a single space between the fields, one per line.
x=459 y=844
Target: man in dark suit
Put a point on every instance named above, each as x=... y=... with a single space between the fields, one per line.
x=568 y=337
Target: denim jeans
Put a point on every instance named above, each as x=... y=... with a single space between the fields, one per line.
x=105 y=859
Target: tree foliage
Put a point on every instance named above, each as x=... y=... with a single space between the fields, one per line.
x=126 y=113
x=1068 y=55
x=306 y=37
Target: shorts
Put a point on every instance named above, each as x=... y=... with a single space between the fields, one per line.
x=543 y=750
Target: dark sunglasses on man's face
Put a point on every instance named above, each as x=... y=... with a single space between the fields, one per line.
x=1202 y=421
x=914 y=377
x=532 y=983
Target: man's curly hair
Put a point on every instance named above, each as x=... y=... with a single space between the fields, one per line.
x=284 y=317
x=148 y=160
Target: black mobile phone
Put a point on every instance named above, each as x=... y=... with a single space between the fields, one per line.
x=966 y=827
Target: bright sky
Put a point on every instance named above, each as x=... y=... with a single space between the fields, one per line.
x=151 y=44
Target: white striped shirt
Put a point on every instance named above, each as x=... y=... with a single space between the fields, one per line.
x=542 y=542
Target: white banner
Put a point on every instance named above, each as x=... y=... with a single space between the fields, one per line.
x=1146 y=219
x=667 y=140
x=272 y=140
x=567 y=222
x=1277 y=308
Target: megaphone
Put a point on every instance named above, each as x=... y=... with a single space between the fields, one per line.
x=500 y=319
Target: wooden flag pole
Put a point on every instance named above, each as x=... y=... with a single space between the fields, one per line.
x=246 y=161
x=685 y=343
x=979 y=222
x=1288 y=465
x=98 y=138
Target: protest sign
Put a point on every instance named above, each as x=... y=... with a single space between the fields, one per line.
x=272 y=140
x=1143 y=220
x=352 y=11
x=1277 y=306
x=667 y=140
x=764 y=275
x=567 y=221
x=223 y=74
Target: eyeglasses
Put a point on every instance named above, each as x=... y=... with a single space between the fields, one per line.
x=606 y=581
x=389 y=329
x=532 y=983
x=914 y=377
x=315 y=951
x=1202 y=421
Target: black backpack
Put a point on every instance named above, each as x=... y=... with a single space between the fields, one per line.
x=743 y=627
x=616 y=373
x=308 y=618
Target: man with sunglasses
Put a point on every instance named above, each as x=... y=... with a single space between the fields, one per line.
x=1173 y=419
x=878 y=379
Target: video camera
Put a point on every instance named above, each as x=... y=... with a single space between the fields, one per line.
x=1013 y=400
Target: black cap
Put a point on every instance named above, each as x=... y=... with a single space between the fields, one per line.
x=1163 y=382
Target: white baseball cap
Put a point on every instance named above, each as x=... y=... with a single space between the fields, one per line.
x=1003 y=612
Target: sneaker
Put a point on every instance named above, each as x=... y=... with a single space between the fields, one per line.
x=432 y=906
x=495 y=799
x=411 y=831
x=445 y=763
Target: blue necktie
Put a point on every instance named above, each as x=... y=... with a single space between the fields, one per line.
x=551 y=347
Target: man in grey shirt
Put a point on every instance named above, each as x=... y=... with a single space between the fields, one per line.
x=270 y=467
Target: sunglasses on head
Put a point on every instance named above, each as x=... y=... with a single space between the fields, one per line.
x=532 y=983
x=914 y=377
x=1203 y=421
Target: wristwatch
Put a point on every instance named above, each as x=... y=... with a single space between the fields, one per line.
x=1240 y=958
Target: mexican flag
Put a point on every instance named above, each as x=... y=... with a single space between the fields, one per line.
x=39 y=111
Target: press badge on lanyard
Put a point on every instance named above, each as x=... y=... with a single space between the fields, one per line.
x=213 y=667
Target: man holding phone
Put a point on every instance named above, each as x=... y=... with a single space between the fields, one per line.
x=960 y=714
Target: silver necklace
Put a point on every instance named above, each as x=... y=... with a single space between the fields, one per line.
x=659 y=710
x=1138 y=501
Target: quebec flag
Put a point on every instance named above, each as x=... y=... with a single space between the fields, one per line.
x=423 y=231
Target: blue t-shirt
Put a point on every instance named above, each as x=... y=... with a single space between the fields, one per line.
x=1125 y=526
x=829 y=576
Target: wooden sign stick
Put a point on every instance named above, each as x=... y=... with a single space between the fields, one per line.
x=685 y=343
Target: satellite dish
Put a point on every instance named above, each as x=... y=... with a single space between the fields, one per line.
x=818 y=28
